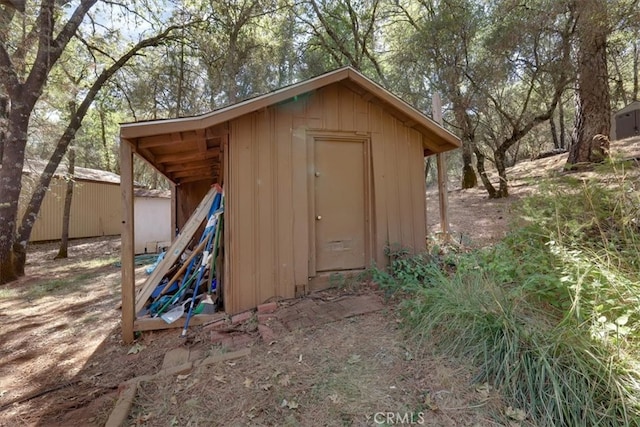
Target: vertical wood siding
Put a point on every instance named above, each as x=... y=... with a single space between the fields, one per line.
x=267 y=206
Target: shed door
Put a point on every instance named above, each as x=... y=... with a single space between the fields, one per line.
x=339 y=183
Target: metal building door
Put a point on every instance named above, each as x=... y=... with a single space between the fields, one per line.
x=339 y=187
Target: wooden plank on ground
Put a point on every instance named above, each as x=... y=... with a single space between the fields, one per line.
x=156 y=323
x=176 y=249
x=120 y=413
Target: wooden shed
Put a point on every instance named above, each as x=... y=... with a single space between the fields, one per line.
x=319 y=177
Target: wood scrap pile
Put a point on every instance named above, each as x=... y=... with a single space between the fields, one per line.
x=187 y=280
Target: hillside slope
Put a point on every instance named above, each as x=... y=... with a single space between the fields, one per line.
x=476 y=220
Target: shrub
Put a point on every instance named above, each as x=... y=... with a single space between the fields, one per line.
x=551 y=314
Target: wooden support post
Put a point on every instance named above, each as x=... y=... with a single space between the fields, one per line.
x=174 y=210
x=442 y=172
x=128 y=251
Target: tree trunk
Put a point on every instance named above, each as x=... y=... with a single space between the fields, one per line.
x=105 y=145
x=427 y=168
x=4 y=115
x=33 y=207
x=554 y=133
x=483 y=173
x=469 y=178
x=503 y=188
x=563 y=139
x=593 y=109
x=64 y=239
x=636 y=69
x=10 y=187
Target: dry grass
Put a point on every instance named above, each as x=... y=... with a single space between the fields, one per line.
x=341 y=373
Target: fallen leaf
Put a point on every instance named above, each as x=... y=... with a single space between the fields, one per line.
x=137 y=348
x=248 y=382
x=145 y=417
x=484 y=390
x=285 y=380
x=430 y=403
x=183 y=377
x=622 y=320
x=515 y=413
x=292 y=405
x=174 y=399
x=353 y=359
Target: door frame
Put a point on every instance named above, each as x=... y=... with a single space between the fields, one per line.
x=355 y=137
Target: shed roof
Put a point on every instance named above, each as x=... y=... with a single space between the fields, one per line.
x=635 y=105
x=80 y=174
x=188 y=148
x=37 y=166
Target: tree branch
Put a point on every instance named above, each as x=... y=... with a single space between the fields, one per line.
x=49 y=49
x=28 y=219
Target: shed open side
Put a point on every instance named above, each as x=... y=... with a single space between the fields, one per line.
x=279 y=157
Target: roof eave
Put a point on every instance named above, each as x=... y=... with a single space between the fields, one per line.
x=429 y=128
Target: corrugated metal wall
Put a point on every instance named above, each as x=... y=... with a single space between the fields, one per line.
x=152 y=222
x=95 y=210
x=267 y=194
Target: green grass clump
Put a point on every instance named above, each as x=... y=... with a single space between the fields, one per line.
x=551 y=315
x=59 y=286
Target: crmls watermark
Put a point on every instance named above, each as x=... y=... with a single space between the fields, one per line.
x=397 y=418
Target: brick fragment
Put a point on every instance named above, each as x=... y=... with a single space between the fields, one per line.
x=217 y=337
x=269 y=307
x=266 y=333
x=241 y=317
x=263 y=318
x=217 y=325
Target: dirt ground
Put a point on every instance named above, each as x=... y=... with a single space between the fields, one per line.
x=62 y=358
x=62 y=361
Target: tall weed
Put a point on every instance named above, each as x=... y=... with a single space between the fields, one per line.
x=551 y=315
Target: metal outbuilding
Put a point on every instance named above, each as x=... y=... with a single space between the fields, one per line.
x=94 y=207
x=626 y=122
x=319 y=178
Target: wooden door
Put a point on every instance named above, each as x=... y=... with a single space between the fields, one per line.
x=339 y=208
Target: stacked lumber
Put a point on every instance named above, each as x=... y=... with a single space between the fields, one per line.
x=185 y=280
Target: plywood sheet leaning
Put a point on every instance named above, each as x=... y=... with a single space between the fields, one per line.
x=176 y=249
